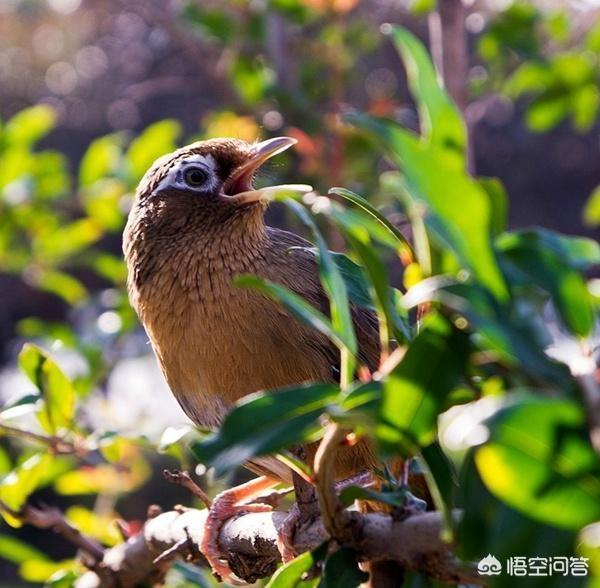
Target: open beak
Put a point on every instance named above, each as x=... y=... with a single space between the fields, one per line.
x=239 y=186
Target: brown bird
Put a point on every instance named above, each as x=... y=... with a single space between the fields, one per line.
x=196 y=223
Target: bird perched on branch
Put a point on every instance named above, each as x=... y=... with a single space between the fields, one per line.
x=197 y=222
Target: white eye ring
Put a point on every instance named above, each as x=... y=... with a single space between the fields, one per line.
x=195 y=176
x=178 y=176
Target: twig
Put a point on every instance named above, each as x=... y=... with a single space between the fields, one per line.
x=57 y=445
x=334 y=516
x=183 y=546
x=51 y=518
x=184 y=480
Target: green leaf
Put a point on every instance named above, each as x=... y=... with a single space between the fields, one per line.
x=498 y=202
x=154 y=141
x=55 y=388
x=265 y=422
x=335 y=287
x=498 y=331
x=28 y=126
x=414 y=393
x=490 y=526
x=546 y=112
x=538 y=459
x=296 y=305
x=290 y=575
x=102 y=202
x=16 y=487
x=591 y=212
x=552 y=261
x=442 y=194
x=61 y=284
x=396 y=497
x=102 y=158
x=341 y=570
x=365 y=205
x=65 y=241
x=441 y=123
x=17 y=551
x=441 y=481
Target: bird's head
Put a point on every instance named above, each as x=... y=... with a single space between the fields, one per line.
x=214 y=174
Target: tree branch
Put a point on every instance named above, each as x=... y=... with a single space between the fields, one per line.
x=251 y=544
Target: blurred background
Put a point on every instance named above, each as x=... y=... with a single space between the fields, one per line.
x=92 y=91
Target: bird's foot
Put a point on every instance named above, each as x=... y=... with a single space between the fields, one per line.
x=226 y=505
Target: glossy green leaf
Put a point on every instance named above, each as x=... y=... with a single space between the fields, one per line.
x=538 y=459
x=512 y=340
x=414 y=393
x=291 y=574
x=55 y=388
x=491 y=526
x=441 y=123
x=265 y=422
x=443 y=193
x=335 y=287
x=365 y=205
x=552 y=261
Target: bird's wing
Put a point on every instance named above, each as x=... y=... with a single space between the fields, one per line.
x=303 y=279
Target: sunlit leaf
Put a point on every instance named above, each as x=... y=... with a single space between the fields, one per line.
x=444 y=193
x=29 y=125
x=414 y=393
x=16 y=486
x=538 y=459
x=63 y=285
x=101 y=159
x=55 y=388
x=16 y=551
x=92 y=524
x=441 y=123
x=591 y=212
x=156 y=140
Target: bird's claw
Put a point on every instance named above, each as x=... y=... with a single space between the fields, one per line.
x=224 y=507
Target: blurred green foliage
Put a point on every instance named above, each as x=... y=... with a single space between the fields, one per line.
x=558 y=84
x=495 y=325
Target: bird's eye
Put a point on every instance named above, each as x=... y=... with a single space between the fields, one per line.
x=195 y=177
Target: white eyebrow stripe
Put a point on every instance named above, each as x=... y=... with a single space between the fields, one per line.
x=206 y=161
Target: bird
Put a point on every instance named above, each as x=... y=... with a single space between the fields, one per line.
x=196 y=223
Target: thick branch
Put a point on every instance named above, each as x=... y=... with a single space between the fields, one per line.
x=250 y=541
